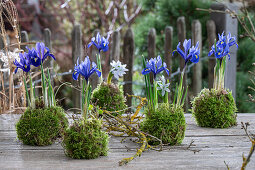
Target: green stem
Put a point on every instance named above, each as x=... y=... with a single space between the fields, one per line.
x=25 y=84
x=45 y=96
x=99 y=66
x=86 y=99
x=180 y=90
x=32 y=99
x=155 y=99
x=109 y=78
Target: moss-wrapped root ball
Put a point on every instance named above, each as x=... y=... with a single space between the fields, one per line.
x=214 y=108
x=86 y=140
x=41 y=126
x=166 y=123
x=109 y=97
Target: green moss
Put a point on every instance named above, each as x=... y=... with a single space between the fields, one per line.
x=166 y=123
x=213 y=108
x=41 y=126
x=85 y=139
x=109 y=97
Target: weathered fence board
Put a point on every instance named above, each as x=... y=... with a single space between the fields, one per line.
x=211 y=36
x=228 y=24
x=181 y=27
x=77 y=54
x=197 y=68
x=115 y=49
x=152 y=43
x=128 y=55
x=168 y=48
x=94 y=80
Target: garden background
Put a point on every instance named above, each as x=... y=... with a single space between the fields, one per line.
x=140 y=16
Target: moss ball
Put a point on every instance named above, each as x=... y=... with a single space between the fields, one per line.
x=41 y=126
x=166 y=123
x=214 y=108
x=85 y=140
x=109 y=97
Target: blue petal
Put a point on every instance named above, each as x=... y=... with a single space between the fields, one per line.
x=194 y=58
x=159 y=62
x=186 y=45
x=16 y=70
x=98 y=73
x=75 y=75
x=90 y=44
x=167 y=71
x=146 y=71
x=180 y=51
x=98 y=37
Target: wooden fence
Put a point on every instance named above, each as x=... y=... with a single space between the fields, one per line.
x=128 y=48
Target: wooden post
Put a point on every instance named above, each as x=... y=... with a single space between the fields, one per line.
x=224 y=22
x=115 y=49
x=24 y=39
x=47 y=41
x=211 y=34
x=94 y=80
x=151 y=47
x=168 y=52
x=168 y=49
x=76 y=54
x=152 y=43
x=181 y=27
x=197 y=69
x=115 y=46
x=128 y=54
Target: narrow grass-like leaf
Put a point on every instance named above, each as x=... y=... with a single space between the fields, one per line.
x=28 y=98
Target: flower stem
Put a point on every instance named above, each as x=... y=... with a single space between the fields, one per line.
x=25 y=84
x=99 y=66
x=109 y=78
x=32 y=98
x=155 y=100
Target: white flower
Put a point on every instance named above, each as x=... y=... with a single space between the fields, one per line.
x=65 y=4
x=163 y=86
x=8 y=59
x=118 y=69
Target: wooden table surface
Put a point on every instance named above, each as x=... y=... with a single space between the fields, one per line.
x=211 y=147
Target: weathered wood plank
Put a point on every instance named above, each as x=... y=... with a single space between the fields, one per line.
x=209 y=150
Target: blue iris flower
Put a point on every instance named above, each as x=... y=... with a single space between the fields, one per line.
x=222 y=46
x=100 y=42
x=84 y=69
x=155 y=65
x=39 y=54
x=24 y=63
x=189 y=53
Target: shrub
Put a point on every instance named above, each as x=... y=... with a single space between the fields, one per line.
x=109 y=97
x=166 y=123
x=41 y=126
x=85 y=139
x=213 y=108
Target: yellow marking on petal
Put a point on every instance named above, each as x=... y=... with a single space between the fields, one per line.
x=196 y=56
x=218 y=53
x=221 y=42
x=35 y=59
x=75 y=73
x=25 y=66
x=104 y=44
